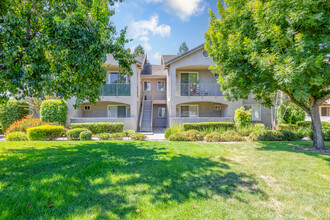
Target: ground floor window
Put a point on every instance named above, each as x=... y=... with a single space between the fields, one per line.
x=161 y=112
x=147 y=86
x=117 y=111
x=189 y=110
x=256 y=112
x=325 y=111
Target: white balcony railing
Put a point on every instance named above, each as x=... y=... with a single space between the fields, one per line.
x=200 y=89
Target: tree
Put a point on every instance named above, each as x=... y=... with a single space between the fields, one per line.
x=139 y=50
x=58 y=47
x=183 y=48
x=261 y=47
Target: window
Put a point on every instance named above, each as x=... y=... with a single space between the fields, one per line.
x=161 y=112
x=117 y=78
x=205 y=54
x=189 y=84
x=325 y=111
x=256 y=112
x=160 y=86
x=87 y=107
x=189 y=111
x=147 y=86
x=117 y=111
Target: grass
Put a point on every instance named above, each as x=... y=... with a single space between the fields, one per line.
x=162 y=180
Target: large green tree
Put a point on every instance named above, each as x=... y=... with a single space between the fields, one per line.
x=183 y=48
x=139 y=50
x=57 y=47
x=262 y=46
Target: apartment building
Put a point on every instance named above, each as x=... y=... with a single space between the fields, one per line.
x=181 y=89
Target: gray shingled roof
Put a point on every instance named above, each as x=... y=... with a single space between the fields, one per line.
x=167 y=58
x=140 y=58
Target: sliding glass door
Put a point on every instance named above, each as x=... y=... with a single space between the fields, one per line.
x=188 y=81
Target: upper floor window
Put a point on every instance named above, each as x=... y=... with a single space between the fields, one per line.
x=147 y=86
x=205 y=54
x=160 y=86
x=118 y=78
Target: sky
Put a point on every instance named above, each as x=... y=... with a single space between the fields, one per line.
x=161 y=26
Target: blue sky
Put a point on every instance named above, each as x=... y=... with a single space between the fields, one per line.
x=160 y=26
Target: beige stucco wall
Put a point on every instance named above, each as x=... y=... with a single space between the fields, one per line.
x=153 y=93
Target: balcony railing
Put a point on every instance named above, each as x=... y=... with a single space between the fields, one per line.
x=200 y=89
x=115 y=90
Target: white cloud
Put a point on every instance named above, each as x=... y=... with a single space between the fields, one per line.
x=184 y=9
x=144 y=27
x=156 y=56
x=146 y=46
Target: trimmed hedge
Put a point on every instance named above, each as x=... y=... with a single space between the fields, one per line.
x=138 y=137
x=17 y=136
x=282 y=135
x=54 y=111
x=74 y=134
x=289 y=127
x=100 y=127
x=12 y=111
x=191 y=135
x=45 y=132
x=207 y=125
x=86 y=136
x=308 y=124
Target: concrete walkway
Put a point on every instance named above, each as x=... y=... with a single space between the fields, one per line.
x=156 y=135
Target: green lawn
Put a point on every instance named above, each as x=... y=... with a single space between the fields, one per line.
x=164 y=180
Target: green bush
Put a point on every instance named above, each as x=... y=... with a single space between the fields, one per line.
x=74 y=134
x=172 y=130
x=117 y=136
x=54 y=111
x=214 y=137
x=103 y=136
x=242 y=118
x=138 y=137
x=303 y=132
x=128 y=132
x=325 y=133
x=289 y=136
x=207 y=125
x=85 y=136
x=17 y=136
x=282 y=135
x=179 y=136
x=193 y=135
x=288 y=127
x=100 y=127
x=45 y=132
x=12 y=111
x=231 y=135
x=247 y=130
x=292 y=114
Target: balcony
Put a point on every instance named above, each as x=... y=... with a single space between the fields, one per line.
x=200 y=89
x=115 y=90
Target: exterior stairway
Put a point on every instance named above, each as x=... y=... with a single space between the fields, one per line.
x=146 y=125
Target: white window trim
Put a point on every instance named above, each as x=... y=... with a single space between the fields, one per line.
x=321 y=110
x=158 y=112
x=260 y=119
x=159 y=81
x=108 y=115
x=90 y=107
x=144 y=87
x=189 y=115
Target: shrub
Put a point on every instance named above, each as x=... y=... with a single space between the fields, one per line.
x=138 y=136
x=270 y=136
x=54 y=111
x=303 y=132
x=117 y=136
x=103 y=136
x=242 y=118
x=12 y=111
x=193 y=135
x=289 y=136
x=17 y=136
x=247 y=130
x=172 y=130
x=213 y=137
x=325 y=132
x=292 y=114
x=288 y=127
x=254 y=136
x=231 y=135
x=27 y=122
x=100 y=127
x=179 y=136
x=282 y=135
x=128 y=133
x=74 y=134
x=85 y=136
x=45 y=132
x=207 y=125
x=304 y=124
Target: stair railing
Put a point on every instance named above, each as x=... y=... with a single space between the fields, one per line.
x=141 y=114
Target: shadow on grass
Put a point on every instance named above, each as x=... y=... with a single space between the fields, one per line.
x=292 y=147
x=109 y=177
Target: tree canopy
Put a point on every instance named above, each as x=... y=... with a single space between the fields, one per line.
x=183 y=48
x=139 y=50
x=261 y=47
x=58 y=47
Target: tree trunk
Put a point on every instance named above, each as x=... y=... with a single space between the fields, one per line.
x=317 y=129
